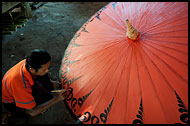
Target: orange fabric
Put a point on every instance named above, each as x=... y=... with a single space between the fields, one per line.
x=16 y=86
x=102 y=65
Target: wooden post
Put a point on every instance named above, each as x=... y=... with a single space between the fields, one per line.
x=26 y=9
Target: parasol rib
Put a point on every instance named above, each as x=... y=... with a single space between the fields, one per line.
x=94 y=53
x=148 y=44
x=100 y=79
x=158 y=69
x=168 y=66
x=164 y=21
x=114 y=22
x=144 y=16
x=168 y=32
x=125 y=116
x=108 y=80
x=138 y=72
x=166 y=28
x=124 y=67
x=99 y=63
x=162 y=24
x=111 y=58
x=152 y=42
x=119 y=15
x=153 y=85
x=170 y=42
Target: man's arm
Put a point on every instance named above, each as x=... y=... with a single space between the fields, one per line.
x=40 y=108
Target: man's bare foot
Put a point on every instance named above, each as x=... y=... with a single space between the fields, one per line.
x=5 y=116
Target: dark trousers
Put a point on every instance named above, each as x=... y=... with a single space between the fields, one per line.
x=41 y=91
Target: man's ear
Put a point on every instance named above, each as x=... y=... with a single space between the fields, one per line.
x=32 y=70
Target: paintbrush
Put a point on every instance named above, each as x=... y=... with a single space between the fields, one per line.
x=57 y=90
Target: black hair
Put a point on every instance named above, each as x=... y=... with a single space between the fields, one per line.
x=37 y=58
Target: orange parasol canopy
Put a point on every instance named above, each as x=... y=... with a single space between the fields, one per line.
x=129 y=64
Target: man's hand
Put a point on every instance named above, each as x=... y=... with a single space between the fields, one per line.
x=62 y=94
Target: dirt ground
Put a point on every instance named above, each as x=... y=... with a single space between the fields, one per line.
x=51 y=27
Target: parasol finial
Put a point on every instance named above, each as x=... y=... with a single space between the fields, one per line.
x=132 y=33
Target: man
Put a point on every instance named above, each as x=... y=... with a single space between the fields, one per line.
x=26 y=87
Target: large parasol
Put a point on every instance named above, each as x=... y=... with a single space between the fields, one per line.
x=129 y=64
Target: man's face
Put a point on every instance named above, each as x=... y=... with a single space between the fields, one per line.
x=43 y=70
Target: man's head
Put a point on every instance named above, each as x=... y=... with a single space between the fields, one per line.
x=38 y=62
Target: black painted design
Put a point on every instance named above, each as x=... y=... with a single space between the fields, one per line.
x=81 y=100
x=98 y=13
x=68 y=51
x=68 y=82
x=65 y=79
x=84 y=30
x=96 y=120
x=103 y=116
x=70 y=95
x=73 y=43
x=182 y=109
x=74 y=101
x=98 y=16
x=73 y=80
x=139 y=116
x=70 y=62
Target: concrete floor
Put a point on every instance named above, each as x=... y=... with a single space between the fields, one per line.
x=51 y=27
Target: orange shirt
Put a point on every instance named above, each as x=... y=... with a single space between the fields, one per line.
x=16 y=86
